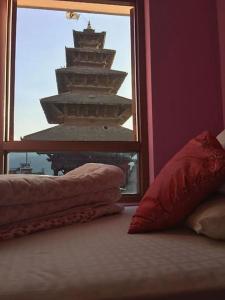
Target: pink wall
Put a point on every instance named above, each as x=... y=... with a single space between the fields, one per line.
x=186 y=93
x=221 y=31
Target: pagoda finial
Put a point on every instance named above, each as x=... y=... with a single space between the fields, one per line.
x=89 y=28
x=89 y=25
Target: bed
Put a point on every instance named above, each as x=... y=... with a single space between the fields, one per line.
x=99 y=260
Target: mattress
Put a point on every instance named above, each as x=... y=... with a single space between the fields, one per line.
x=99 y=260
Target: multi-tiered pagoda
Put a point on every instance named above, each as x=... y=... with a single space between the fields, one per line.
x=87 y=107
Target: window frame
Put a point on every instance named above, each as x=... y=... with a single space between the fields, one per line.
x=7 y=144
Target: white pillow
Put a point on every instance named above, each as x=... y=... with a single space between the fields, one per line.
x=209 y=218
x=221 y=138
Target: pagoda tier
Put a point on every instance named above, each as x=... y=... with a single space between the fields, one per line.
x=79 y=109
x=86 y=57
x=72 y=132
x=84 y=80
x=89 y=39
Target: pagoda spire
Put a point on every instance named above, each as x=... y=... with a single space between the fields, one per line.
x=89 y=29
x=89 y=25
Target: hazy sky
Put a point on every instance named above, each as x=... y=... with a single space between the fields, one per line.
x=42 y=36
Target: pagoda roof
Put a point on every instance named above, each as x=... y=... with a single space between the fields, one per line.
x=76 y=108
x=97 y=57
x=89 y=80
x=69 y=132
x=92 y=50
x=74 y=98
x=90 y=70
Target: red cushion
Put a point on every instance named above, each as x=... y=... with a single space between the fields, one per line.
x=194 y=172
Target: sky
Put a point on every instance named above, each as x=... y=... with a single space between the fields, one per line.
x=41 y=38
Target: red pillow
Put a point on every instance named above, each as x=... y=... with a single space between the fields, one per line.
x=194 y=172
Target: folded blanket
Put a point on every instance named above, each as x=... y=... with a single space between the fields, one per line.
x=89 y=178
x=32 y=203
x=21 y=212
x=66 y=217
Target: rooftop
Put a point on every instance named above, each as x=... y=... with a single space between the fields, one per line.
x=72 y=98
x=67 y=132
x=89 y=70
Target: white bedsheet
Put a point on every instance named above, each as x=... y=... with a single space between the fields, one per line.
x=99 y=260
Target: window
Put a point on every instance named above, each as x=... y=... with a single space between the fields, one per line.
x=92 y=104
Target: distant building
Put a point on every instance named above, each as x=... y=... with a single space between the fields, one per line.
x=25 y=168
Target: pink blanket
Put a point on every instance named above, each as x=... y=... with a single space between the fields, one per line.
x=30 y=203
x=62 y=218
x=21 y=212
x=89 y=178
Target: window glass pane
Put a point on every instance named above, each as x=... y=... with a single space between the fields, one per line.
x=59 y=163
x=73 y=77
